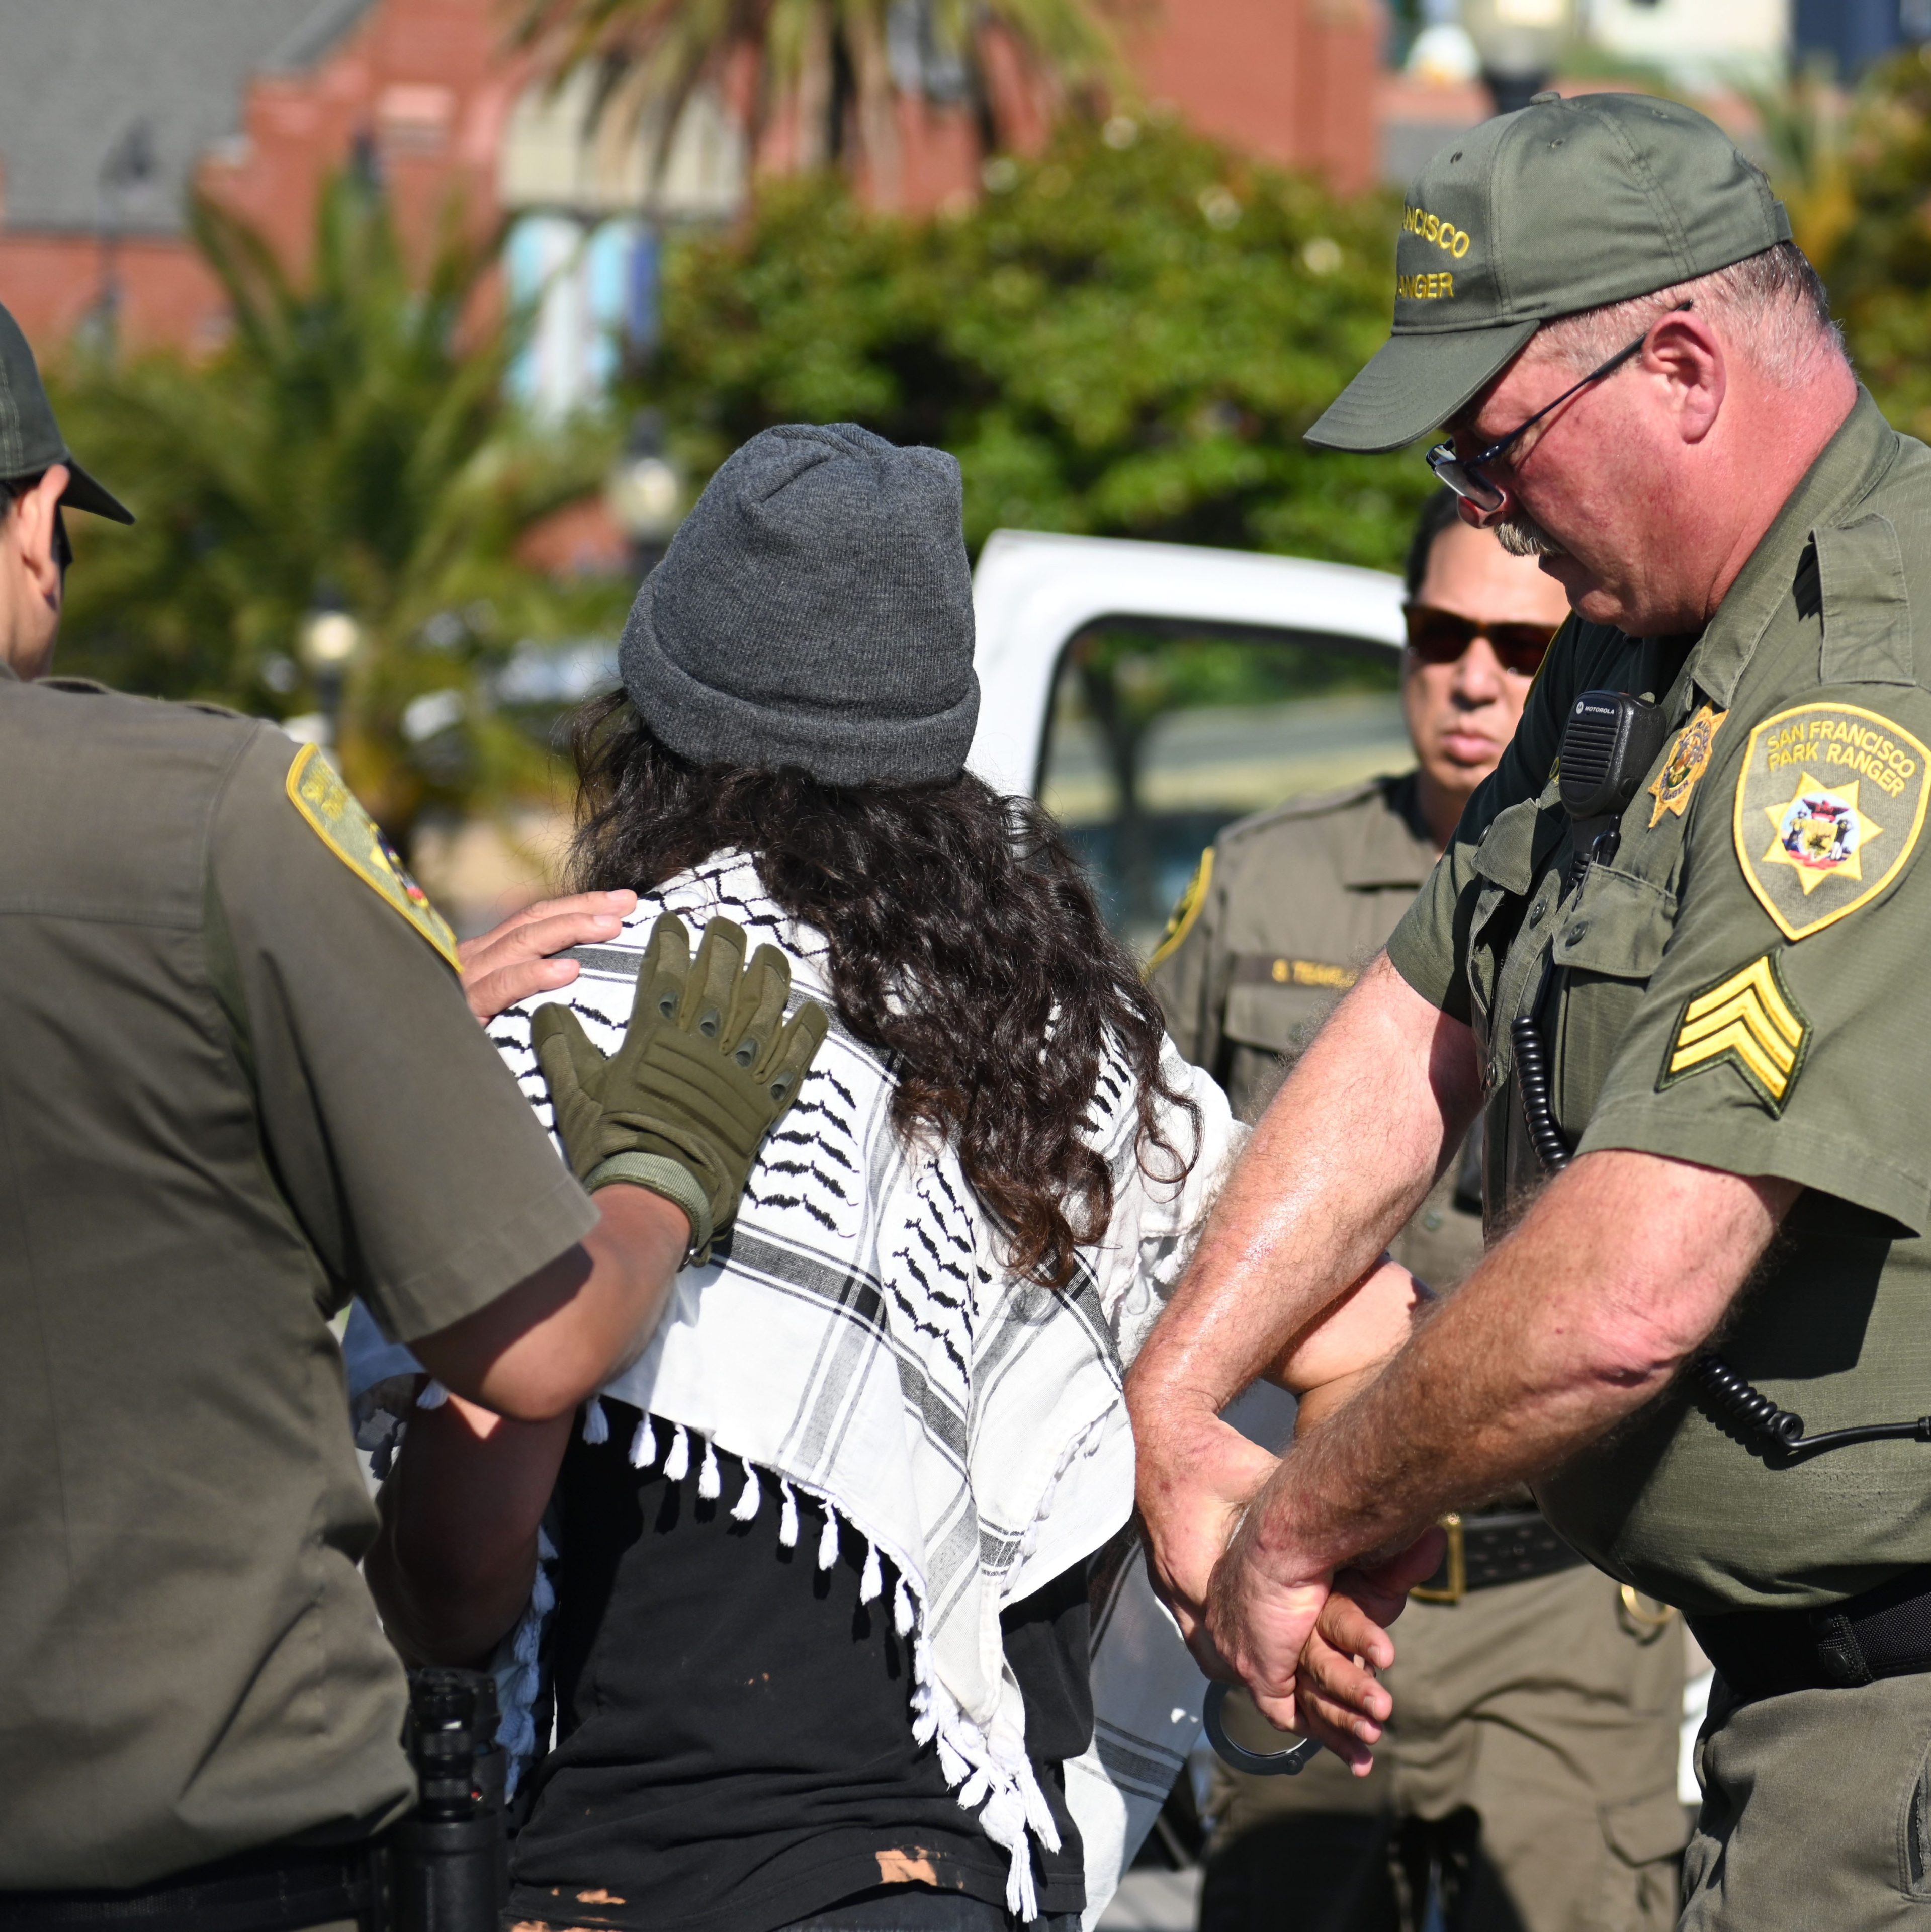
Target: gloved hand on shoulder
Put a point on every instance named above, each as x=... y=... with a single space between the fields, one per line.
x=708 y=1066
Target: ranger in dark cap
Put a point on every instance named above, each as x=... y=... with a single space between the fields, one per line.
x=238 y=1083
x=40 y=481
x=1675 y=953
x=1526 y=1772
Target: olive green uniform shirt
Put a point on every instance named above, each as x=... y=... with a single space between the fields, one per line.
x=237 y=1086
x=1288 y=906
x=1745 y=986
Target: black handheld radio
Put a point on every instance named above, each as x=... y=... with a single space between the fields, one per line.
x=1611 y=740
x=450 y=1856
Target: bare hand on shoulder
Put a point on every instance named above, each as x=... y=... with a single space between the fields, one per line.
x=512 y=961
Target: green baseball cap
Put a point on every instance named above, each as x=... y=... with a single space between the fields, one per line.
x=1560 y=206
x=30 y=439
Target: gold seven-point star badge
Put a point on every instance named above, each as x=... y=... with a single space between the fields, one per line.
x=1831 y=800
x=1689 y=759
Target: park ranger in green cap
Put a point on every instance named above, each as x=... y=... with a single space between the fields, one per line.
x=1675 y=954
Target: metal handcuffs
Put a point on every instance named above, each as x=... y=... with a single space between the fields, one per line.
x=1258 y=1764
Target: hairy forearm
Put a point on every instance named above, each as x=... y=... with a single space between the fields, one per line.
x=1584 y=1315
x=1351 y=1143
x=452 y=1566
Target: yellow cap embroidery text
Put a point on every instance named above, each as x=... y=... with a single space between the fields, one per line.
x=1432 y=228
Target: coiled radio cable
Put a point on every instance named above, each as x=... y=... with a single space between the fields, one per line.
x=1779 y=1432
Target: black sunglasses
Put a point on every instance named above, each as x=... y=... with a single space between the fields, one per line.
x=1442 y=637
x=1462 y=474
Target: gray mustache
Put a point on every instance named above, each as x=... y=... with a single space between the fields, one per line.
x=1520 y=535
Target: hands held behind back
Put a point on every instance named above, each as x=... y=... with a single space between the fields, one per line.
x=1306 y=1643
x=1193 y=1487
x=1291 y=1633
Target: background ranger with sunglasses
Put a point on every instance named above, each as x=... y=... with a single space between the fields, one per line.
x=1676 y=953
x=1534 y=1710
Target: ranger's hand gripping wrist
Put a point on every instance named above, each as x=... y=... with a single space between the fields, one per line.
x=707 y=1068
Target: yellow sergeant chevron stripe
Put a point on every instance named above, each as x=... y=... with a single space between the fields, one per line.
x=1748 y=1021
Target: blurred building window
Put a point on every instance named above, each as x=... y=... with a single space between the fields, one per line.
x=557 y=153
x=923 y=59
x=578 y=283
x=1848 y=35
x=415 y=117
x=586 y=217
x=1158 y=739
x=1699 y=43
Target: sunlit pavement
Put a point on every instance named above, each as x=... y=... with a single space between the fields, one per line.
x=1154 y=1901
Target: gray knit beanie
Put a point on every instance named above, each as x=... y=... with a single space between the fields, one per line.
x=814 y=610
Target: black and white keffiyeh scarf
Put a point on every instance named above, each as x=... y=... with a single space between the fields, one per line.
x=860 y=1339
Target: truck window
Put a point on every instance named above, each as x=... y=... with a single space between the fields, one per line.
x=1155 y=740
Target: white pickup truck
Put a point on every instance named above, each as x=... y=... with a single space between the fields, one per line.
x=1149 y=693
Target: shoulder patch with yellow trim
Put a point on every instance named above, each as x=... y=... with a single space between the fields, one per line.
x=339 y=821
x=1830 y=803
x=1180 y=920
x=1748 y=1021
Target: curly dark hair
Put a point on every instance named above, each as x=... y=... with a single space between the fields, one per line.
x=964 y=943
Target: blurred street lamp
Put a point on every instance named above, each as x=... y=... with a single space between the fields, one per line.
x=644 y=492
x=1521 y=43
x=327 y=643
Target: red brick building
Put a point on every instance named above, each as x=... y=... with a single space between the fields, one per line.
x=109 y=110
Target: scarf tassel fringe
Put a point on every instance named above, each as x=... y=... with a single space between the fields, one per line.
x=986 y=1771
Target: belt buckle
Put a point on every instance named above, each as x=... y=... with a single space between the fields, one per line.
x=1457 y=1585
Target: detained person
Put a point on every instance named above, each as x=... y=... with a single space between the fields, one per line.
x=811 y=1584
x=820 y=1633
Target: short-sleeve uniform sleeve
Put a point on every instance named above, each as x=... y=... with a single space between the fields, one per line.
x=1787 y=1028
x=400 y=1143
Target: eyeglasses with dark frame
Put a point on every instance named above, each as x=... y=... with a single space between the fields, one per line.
x=1461 y=474
x=1438 y=636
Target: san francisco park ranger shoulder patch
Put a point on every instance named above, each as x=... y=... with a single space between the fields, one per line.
x=1180 y=921
x=1830 y=803
x=331 y=807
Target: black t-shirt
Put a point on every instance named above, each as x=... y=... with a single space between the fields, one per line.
x=735 y=1750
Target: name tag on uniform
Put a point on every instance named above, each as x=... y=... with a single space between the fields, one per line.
x=1258 y=969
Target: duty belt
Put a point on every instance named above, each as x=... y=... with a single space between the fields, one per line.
x=1509 y=1546
x=275 y=1890
x=1882 y=1633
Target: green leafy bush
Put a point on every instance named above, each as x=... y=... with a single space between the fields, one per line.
x=352 y=445
x=1127 y=337
x=1879 y=270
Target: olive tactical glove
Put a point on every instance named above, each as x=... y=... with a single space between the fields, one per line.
x=707 y=1067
